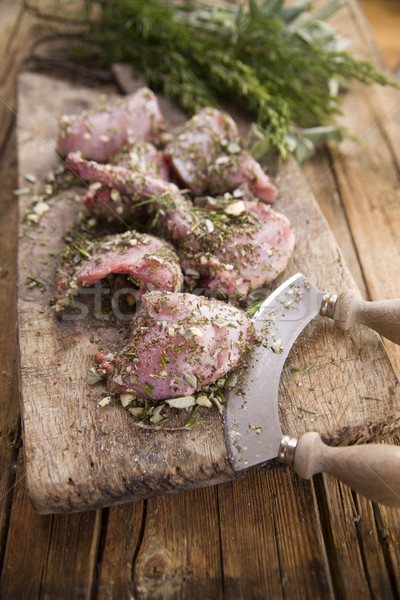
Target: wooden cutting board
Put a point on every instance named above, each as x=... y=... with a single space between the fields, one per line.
x=80 y=456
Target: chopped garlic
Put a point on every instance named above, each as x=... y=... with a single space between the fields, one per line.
x=277 y=346
x=136 y=411
x=104 y=402
x=204 y=401
x=231 y=381
x=126 y=399
x=233 y=148
x=31 y=178
x=196 y=331
x=40 y=208
x=209 y=225
x=235 y=208
x=156 y=418
x=190 y=379
x=33 y=218
x=181 y=402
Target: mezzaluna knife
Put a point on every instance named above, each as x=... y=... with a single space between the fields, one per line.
x=252 y=427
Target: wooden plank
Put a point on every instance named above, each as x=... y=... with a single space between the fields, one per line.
x=270 y=535
x=15 y=39
x=9 y=397
x=56 y=554
x=353 y=547
x=368 y=171
x=123 y=536
x=362 y=545
x=388 y=527
x=27 y=546
x=180 y=552
x=320 y=176
x=384 y=20
x=55 y=393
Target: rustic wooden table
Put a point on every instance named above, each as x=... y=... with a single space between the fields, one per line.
x=300 y=539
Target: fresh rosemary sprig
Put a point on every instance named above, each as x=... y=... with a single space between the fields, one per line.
x=284 y=64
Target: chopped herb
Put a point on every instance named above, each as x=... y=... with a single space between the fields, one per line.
x=163 y=363
x=144 y=413
x=309 y=367
x=193 y=416
x=249 y=53
x=306 y=410
x=37 y=281
x=82 y=251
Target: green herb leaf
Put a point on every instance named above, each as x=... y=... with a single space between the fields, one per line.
x=276 y=61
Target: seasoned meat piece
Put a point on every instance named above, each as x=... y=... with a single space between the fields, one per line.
x=150 y=262
x=237 y=246
x=208 y=156
x=107 y=203
x=166 y=204
x=100 y=133
x=178 y=344
x=145 y=158
x=231 y=246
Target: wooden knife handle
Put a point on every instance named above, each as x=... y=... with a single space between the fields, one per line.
x=372 y=470
x=383 y=316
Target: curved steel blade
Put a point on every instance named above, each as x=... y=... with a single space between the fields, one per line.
x=251 y=417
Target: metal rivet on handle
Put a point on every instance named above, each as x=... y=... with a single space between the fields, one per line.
x=287 y=449
x=328 y=305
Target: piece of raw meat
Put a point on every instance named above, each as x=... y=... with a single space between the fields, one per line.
x=164 y=200
x=144 y=158
x=109 y=204
x=208 y=157
x=150 y=262
x=231 y=246
x=236 y=246
x=178 y=344
x=100 y=133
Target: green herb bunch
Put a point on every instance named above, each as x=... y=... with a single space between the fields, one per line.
x=284 y=64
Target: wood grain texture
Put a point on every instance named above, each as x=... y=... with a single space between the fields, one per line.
x=122 y=539
x=71 y=464
x=367 y=169
x=56 y=554
x=9 y=397
x=170 y=564
x=384 y=19
x=281 y=512
x=349 y=529
x=12 y=25
x=16 y=35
